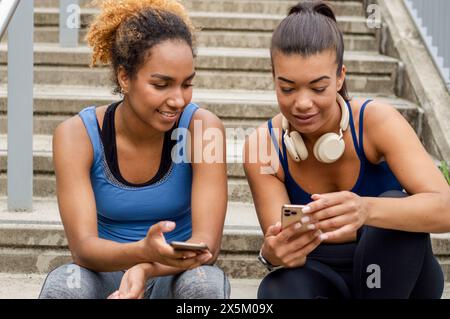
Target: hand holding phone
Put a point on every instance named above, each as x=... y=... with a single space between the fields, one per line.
x=181 y=245
x=291 y=214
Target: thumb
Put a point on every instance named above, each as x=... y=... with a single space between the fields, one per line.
x=273 y=230
x=161 y=227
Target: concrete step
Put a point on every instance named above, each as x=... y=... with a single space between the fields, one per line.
x=255 y=6
x=220 y=38
x=205 y=79
x=216 y=20
x=211 y=58
x=54 y=103
x=28 y=286
x=45 y=185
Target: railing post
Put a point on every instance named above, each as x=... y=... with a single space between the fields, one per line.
x=20 y=108
x=69 y=23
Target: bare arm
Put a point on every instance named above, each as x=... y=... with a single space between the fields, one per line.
x=209 y=181
x=287 y=247
x=428 y=207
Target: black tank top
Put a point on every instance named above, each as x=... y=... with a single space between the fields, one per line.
x=108 y=135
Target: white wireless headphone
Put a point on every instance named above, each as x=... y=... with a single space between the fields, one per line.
x=328 y=148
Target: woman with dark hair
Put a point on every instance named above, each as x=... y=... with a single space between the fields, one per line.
x=122 y=196
x=371 y=191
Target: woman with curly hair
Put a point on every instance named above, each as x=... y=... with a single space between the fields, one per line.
x=123 y=195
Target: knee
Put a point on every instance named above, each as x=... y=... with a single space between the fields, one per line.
x=64 y=282
x=271 y=287
x=394 y=237
x=55 y=284
x=204 y=282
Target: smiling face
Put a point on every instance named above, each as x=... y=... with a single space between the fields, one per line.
x=306 y=89
x=162 y=87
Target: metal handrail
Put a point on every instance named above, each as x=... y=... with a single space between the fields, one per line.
x=7 y=10
x=433 y=34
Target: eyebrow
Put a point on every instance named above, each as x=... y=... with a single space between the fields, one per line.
x=312 y=82
x=171 y=79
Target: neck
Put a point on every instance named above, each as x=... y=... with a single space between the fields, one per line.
x=130 y=126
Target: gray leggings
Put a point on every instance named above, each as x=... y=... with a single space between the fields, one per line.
x=74 y=282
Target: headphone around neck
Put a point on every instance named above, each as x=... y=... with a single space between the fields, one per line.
x=328 y=148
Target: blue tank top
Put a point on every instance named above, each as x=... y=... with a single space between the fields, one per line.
x=373 y=179
x=124 y=213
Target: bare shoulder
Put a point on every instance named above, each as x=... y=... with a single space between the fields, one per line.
x=378 y=112
x=71 y=143
x=258 y=149
x=262 y=131
x=207 y=118
x=383 y=124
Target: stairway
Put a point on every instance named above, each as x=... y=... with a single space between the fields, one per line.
x=233 y=81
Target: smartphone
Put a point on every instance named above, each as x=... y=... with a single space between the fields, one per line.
x=181 y=245
x=291 y=214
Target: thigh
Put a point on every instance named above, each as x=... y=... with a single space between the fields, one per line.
x=204 y=282
x=312 y=281
x=74 y=282
x=388 y=262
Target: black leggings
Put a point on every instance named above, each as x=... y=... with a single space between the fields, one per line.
x=383 y=263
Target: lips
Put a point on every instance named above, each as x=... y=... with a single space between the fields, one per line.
x=168 y=114
x=168 y=117
x=305 y=117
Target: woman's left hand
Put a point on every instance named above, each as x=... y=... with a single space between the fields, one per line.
x=345 y=212
x=132 y=285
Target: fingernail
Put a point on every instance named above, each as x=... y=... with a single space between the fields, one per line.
x=317 y=233
x=306 y=209
x=169 y=224
x=297 y=226
x=305 y=219
x=323 y=237
x=278 y=224
x=311 y=226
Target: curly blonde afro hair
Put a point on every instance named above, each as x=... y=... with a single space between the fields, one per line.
x=125 y=30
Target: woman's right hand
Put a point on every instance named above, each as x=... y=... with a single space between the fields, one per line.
x=289 y=247
x=156 y=249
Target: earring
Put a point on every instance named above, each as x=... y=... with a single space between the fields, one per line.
x=122 y=91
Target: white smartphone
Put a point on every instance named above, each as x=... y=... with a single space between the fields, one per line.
x=291 y=214
x=181 y=245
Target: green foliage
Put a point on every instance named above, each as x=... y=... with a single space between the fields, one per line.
x=445 y=171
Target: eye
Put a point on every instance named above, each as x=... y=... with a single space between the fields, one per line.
x=160 y=86
x=188 y=85
x=319 y=90
x=287 y=90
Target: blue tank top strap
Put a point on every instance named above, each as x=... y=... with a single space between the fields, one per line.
x=89 y=118
x=186 y=117
x=352 y=128
x=283 y=158
x=361 y=128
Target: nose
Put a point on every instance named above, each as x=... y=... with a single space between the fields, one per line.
x=303 y=102
x=176 y=99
